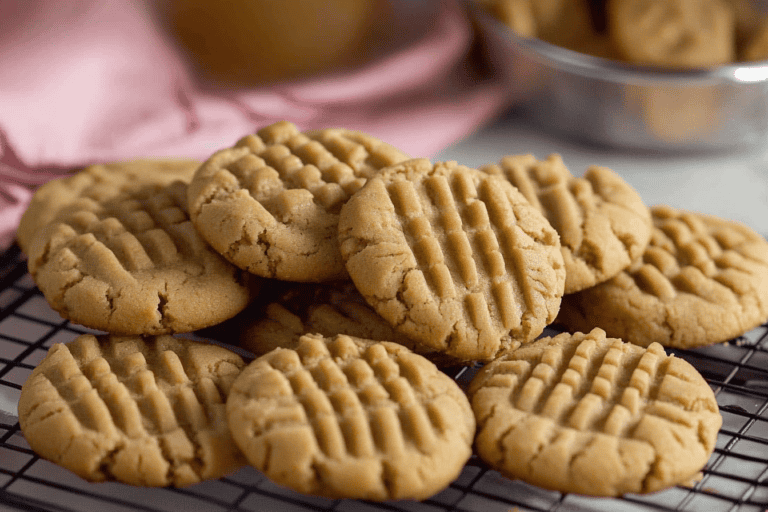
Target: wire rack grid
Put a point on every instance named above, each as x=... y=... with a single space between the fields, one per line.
x=734 y=480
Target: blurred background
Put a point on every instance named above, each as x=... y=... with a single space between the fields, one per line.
x=682 y=115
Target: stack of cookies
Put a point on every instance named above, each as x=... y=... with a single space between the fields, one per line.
x=351 y=273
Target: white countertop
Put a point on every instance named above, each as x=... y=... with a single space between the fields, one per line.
x=732 y=185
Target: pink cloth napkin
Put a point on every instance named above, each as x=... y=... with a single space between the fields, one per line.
x=90 y=81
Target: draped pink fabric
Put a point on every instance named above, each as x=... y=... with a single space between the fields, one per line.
x=90 y=81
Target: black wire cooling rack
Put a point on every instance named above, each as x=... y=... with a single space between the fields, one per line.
x=735 y=479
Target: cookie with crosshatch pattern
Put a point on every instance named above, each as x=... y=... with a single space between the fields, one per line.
x=96 y=182
x=602 y=221
x=270 y=204
x=143 y=411
x=456 y=259
x=588 y=414
x=701 y=280
x=344 y=417
x=133 y=263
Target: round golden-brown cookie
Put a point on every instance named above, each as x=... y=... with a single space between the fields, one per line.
x=142 y=411
x=593 y=415
x=97 y=182
x=455 y=259
x=701 y=280
x=323 y=309
x=602 y=222
x=133 y=263
x=270 y=204
x=348 y=418
x=672 y=33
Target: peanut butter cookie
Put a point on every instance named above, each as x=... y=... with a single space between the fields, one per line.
x=323 y=309
x=133 y=263
x=592 y=415
x=348 y=418
x=142 y=411
x=456 y=259
x=271 y=203
x=602 y=222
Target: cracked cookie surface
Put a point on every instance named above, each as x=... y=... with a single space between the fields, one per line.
x=133 y=263
x=592 y=415
x=701 y=280
x=602 y=221
x=455 y=259
x=97 y=182
x=343 y=417
x=270 y=204
x=142 y=411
